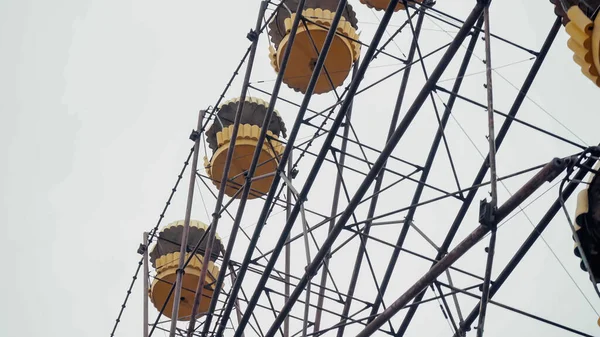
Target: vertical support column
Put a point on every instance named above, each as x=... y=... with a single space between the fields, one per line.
x=288 y=248
x=145 y=280
x=254 y=35
x=186 y=225
x=493 y=176
x=490 y=107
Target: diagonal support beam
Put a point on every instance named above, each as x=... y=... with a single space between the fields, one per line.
x=493 y=176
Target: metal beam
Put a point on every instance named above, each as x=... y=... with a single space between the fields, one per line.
x=288 y=247
x=485 y=291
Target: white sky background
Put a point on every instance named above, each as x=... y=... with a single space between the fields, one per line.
x=97 y=102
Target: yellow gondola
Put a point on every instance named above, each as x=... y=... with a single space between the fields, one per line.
x=309 y=39
x=218 y=137
x=165 y=259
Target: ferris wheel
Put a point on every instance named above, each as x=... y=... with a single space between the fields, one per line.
x=359 y=181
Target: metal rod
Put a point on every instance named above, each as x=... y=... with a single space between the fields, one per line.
x=263 y=176
x=145 y=285
x=521 y=312
x=493 y=177
x=334 y=208
x=529 y=125
x=232 y=275
x=484 y=166
x=445 y=307
x=490 y=107
x=283 y=160
x=288 y=247
x=379 y=180
x=485 y=292
x=546 y=174
x=424 y=236
x=433 y=9
x=307 y=252
x=186 y=227
x=455 y=298
x=527 y=244
x=385 y=153
x=424 y=174
x=224 y=180
x=385 y=223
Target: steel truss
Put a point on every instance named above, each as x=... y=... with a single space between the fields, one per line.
x=288 y=194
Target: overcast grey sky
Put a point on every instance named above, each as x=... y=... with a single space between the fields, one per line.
x=97 y=102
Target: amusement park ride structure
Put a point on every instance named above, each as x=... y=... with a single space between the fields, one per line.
x=315 y=48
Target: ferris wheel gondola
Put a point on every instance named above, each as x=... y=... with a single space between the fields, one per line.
x=165 y=259
x=317 y=17
x=218 y=137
